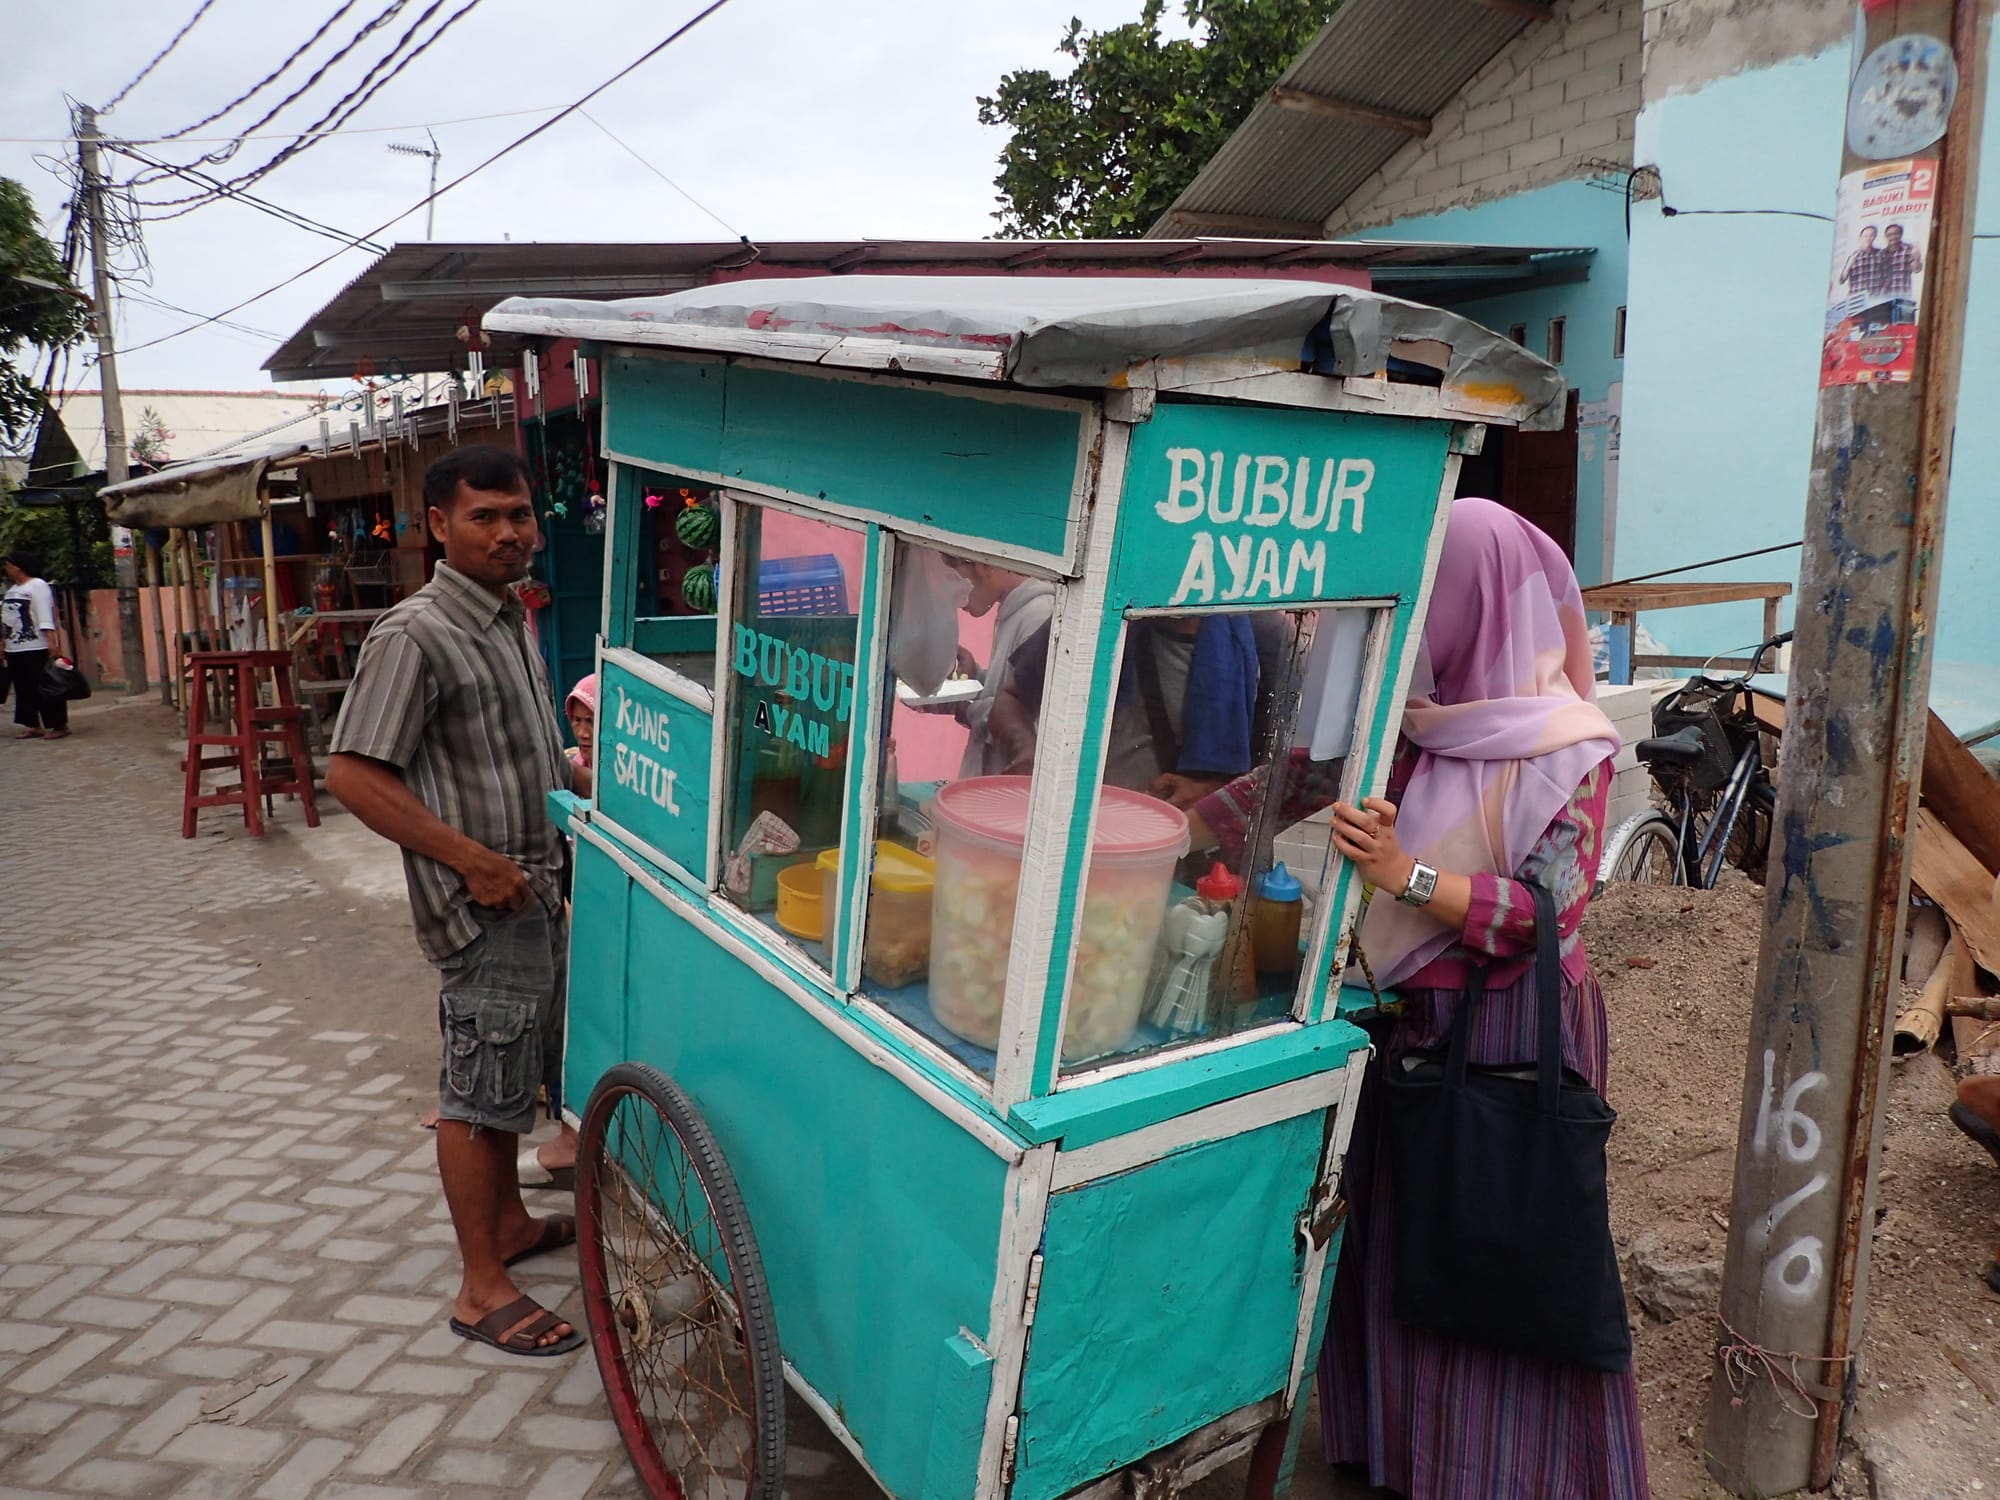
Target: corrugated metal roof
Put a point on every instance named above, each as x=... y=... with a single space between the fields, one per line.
x=1406 y=57
x=405 y=310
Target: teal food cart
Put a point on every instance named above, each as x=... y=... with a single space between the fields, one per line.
x=949 y=1096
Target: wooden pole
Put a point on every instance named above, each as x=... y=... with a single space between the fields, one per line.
x=159 y=614
x=271 y=639
x=1795 y=1281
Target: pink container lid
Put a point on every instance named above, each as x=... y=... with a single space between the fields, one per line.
x=1129 y=823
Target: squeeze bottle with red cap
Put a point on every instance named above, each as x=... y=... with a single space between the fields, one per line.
x=1219 y=886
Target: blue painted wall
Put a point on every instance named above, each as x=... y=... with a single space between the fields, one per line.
x=1569 y=214
x=1723 y=353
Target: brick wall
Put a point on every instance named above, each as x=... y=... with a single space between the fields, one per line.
x=1563 y=94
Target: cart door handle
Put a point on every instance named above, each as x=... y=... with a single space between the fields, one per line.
x=1318 y=1224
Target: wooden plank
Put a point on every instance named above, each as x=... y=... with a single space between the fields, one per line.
x=1636 y=597
x=1348 y=112
x=1946 y=871
x=1962 y=793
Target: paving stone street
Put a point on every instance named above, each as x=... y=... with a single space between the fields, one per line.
x=225 y=1264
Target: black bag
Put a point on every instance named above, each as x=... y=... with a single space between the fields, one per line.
x=1503 y=1221
x=62 y=681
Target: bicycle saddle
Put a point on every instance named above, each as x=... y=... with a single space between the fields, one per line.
x=1683 y=747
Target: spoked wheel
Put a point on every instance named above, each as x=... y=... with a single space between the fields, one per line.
x=1644 y=849
x=675 y=1297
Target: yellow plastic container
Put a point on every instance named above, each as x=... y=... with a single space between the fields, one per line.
x=897 y=947
x=801 y=904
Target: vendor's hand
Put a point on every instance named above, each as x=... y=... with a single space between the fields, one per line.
x=967 y=667
x=1366 y=839
x=495 y=880
x=1184 y=791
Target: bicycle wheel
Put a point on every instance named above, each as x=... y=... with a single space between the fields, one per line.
x=1644 y=849
x=675 y=1297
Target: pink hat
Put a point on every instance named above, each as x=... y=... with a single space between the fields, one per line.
x=585 y=692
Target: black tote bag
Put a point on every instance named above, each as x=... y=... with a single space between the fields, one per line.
x=62 y=680
x=1503 y=1220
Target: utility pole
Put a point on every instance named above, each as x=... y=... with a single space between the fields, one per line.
x=116 y=469
x=1795 y=1285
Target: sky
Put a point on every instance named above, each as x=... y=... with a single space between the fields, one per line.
x=785 y=119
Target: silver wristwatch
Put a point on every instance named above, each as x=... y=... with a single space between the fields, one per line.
x=1423 y=885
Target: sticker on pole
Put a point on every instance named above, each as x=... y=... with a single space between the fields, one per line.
x=1901 y=97
x=1881 y=239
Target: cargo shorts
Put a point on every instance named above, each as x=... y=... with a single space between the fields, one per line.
x=501 y=1004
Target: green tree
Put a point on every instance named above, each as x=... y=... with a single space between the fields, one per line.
x=39 y=307
x=1102 y=151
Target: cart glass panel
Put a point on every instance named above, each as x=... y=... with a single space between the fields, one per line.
x=675 y=569
x=1228 y=745
x=960 y=715
x=790 y=656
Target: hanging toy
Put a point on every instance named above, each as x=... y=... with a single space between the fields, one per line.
x=653 y=501
x=559 y=509
x=381 y=531
x=698 y=589
x=594 y=515
x=697 y=526
x=402 y=523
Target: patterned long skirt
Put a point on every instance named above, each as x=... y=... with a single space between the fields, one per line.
x=1431 y=1418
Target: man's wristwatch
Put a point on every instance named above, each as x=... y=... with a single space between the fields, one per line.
x=1423 y=885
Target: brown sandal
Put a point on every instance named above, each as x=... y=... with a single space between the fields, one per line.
x=558 y=1230
x=498 y=1329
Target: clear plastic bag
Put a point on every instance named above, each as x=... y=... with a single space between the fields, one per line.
x=923 y=617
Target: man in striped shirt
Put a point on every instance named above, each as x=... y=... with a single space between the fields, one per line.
x=447 y=745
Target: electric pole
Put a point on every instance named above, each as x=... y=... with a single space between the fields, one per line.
x=116 y=469
x=1795 y=1286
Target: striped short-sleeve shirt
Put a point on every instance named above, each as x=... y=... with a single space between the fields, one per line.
x=450 y=690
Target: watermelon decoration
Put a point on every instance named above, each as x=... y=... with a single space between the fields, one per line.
x=698 y=588
x=697 y=526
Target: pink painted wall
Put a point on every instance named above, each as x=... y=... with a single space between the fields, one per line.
x=928 y=746
x=103 y=650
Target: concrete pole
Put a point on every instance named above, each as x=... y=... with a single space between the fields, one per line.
x=116 y=470
x=1795 y=1284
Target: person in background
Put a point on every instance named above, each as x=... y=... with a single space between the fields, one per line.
x=1505 y=768
x=28 y=621
x=447 y=745
x=1020 y=606
x=581 y=710
x=1186 y=712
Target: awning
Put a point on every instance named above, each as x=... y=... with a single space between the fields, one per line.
x=207 y=492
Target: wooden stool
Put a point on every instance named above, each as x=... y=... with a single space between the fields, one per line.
x=249 y=728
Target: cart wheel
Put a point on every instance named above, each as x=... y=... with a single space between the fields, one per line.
x=674 y=1296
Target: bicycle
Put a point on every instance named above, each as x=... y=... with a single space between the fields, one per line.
x=1707 y=759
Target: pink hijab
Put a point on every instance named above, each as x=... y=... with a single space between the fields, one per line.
x=585 y=692
x=1503 y=709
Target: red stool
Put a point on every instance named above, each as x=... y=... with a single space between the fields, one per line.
x=249 y=728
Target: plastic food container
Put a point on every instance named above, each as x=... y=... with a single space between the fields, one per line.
x=896 y=948
x=982 y=828
x=801 y=909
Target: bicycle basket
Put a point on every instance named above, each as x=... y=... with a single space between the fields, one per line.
x=1695 y=705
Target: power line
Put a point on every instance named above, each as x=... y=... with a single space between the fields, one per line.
x=276 y=135
x=158 y=57
x=236 y=195
x=388 y=14
x=629 y=151
x=269 y=78
x=350 y=104
x=149 y=300
x=632 y=67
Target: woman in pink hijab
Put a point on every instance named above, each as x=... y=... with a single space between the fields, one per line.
x=1506 y=767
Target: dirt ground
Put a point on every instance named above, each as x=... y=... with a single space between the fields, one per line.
x=1928 y=1417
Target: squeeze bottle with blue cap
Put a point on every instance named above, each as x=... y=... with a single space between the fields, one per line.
x=1274 y=932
